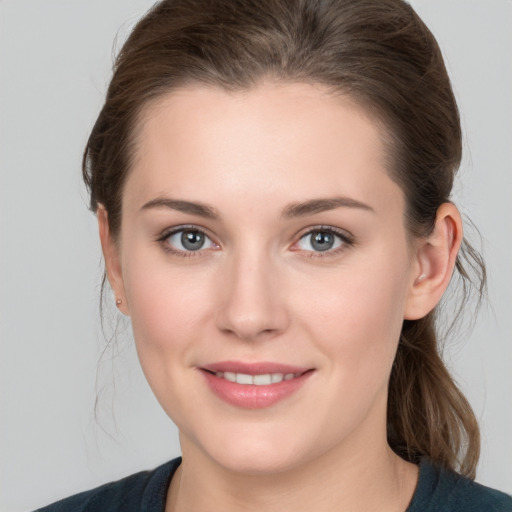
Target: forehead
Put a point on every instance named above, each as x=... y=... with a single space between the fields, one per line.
x=276 y=138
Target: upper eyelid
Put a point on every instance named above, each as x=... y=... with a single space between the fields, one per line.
x=166 y=233
x=342 y=233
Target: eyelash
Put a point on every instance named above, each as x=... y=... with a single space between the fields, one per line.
x=346 y=239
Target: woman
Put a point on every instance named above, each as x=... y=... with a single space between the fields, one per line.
x=272 y=183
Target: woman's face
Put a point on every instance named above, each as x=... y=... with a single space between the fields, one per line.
x=263 y=241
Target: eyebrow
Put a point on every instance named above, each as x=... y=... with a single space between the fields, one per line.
x=199 y=209
x=322 y=205
x=301 y=209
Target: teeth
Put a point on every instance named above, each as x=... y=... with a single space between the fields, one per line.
x=230 y=376
x=263 y=380
x=242 y=378
x=256 y=380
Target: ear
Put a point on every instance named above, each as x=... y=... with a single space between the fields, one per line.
x=112 y=259
x=435 y=259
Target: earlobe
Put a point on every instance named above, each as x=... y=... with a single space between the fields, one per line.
x=112 y=259
x=435 y=256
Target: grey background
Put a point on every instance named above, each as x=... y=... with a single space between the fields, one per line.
x=55 y=58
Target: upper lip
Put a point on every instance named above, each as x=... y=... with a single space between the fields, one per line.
x=254 y=368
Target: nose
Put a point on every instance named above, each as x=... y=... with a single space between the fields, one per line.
x=253 y=305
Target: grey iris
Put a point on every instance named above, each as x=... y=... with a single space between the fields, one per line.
x=192 y=240
x=322 y=240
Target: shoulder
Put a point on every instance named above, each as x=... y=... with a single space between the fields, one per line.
x=141 y=491
x=442 y=490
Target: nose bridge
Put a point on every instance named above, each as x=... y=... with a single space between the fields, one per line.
x=252 y=303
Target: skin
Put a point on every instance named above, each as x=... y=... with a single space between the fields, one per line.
x=258 y=291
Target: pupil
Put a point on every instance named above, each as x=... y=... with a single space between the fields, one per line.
x=192 y=240
x=322 y=241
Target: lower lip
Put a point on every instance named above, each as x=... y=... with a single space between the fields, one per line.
x=250 y=396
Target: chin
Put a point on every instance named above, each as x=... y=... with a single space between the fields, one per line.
x=255 y=450
x=257 y=460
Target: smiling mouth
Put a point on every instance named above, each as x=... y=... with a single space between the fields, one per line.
x=265 y=379
x=254 y=385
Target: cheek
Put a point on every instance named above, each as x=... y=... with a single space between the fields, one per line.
x=356 y=319
x=356 y=329
x=167 y=308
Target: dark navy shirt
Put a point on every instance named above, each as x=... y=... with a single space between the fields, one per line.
x=438 y=490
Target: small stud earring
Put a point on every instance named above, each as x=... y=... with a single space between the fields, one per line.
x=118 y=302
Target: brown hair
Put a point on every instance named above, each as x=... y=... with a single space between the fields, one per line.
x=381 y=54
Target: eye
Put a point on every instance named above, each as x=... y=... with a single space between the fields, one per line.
x=323 y=240
x=186 y=240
